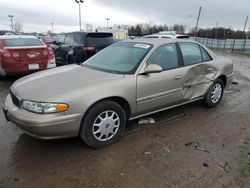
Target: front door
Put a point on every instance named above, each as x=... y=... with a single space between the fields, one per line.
x=159 y=90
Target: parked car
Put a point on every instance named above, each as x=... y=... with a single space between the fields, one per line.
x=77 y=47
x=48 y=40
x=126 y=80
x=167 y=35
x=24 y=54
x=5 y=32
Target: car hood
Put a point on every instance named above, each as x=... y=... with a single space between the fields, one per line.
x=43 y=85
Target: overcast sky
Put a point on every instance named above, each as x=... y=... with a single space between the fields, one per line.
x=38 y=15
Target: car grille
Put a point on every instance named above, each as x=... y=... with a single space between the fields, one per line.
x=15 y=99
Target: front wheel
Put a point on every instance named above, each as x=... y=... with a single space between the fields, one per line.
x=214 y=94
x=103 y=124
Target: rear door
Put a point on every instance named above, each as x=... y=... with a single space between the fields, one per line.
x=199 y=70
x=159 y=90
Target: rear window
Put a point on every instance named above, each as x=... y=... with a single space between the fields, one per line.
x=22 y=42
x=99 y=39
x=99 y=35
x=183 y=37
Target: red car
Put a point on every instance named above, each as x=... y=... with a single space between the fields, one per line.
x=24 y=54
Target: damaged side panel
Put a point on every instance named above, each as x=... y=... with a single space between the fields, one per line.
x=198 y=79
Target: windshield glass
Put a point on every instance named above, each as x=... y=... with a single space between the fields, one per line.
x=23 y=42
x=123 y=57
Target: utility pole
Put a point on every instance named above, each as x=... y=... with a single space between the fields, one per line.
x=79 y=2
x=244 y=28
x=248 y=33
x=107 y=21
x=197 y=23
x=11 y=22
x=216 y=30
x=52 y=27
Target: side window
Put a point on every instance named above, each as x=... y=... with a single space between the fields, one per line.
x=205 y=55
x=191 y=53
x=69 y=39
x=78 y=39
x=166 y=56
x=61 y=39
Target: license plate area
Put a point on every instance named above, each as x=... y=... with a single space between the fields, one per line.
x=33 y=66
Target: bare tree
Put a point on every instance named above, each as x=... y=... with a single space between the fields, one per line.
x=18 y=27
x=89 y=27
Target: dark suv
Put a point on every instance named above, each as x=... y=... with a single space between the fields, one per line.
x=76 y=47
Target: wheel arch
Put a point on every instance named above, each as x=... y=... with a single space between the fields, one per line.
x=224 y=79
x=119 y=100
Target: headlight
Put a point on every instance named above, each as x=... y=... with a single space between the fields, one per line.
x=44 y=107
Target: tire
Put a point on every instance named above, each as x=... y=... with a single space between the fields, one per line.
x=214 y=94
x=97 y=132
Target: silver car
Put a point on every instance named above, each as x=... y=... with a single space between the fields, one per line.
x=126 y=80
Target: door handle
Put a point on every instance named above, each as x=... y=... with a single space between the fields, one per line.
x=209 y=69
x=178 y=77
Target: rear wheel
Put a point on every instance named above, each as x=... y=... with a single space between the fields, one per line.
x=103 y=124
x=214 y=94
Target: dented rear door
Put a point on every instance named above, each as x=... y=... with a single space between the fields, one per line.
x=199 y=70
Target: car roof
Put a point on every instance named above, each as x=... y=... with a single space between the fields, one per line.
x=157 y=41
x=17 y=36
x=162 y=35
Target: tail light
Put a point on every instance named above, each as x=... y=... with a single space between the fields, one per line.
x=51 y=59
x=6 y=53
x=51 y=53
x=90 y=49
x=15 y=54
x=45 y=52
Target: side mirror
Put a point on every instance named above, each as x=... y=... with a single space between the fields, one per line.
x=152 y=68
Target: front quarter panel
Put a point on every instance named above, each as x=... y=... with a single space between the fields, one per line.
x=81 y=99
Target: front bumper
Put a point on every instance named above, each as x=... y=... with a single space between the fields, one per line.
x=43 y=126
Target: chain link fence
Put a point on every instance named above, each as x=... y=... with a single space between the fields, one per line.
x=232 y=45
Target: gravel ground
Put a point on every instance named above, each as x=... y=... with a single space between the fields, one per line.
x=189 y=146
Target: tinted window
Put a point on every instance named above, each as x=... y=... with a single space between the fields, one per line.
x=119 y=58
x=182 y=37
x=78 y=39
x=191 y=53
x=99 y=39
x=165 y=56
x=69 y=39
x=23 y=42
x=205 y=55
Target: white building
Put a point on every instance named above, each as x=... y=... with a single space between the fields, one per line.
x=119 y=33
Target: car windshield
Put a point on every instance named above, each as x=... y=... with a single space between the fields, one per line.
x=23 y=42
x=123 y=58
